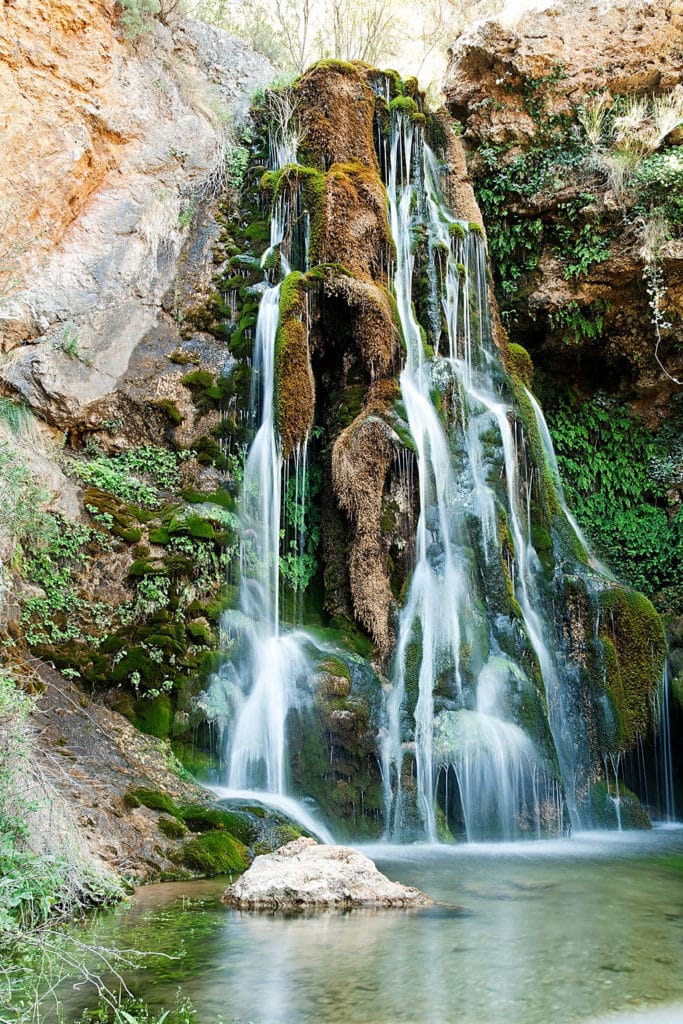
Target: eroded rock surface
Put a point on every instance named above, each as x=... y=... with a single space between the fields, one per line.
x=109 y=147
x=571 y=249
x=305 y=874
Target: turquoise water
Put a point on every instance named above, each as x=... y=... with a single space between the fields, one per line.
x=547 y=932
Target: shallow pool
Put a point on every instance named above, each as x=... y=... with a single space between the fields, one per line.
x=547 y=932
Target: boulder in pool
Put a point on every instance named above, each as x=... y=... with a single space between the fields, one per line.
x=305 y=874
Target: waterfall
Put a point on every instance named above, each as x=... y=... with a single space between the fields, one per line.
x=490 y=716
x=501 y=776
x=268 y=673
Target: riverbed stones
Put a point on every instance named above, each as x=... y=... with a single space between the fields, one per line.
x=305 y=874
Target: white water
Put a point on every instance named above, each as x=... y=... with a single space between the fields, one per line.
x=551 y=461
x=450 y=731
x=499 y=773
x=295 y=809
x=270 y=672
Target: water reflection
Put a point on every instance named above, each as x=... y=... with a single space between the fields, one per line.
x=559 y=931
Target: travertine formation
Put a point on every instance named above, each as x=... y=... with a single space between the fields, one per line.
x=303 y=874
x=518 y=89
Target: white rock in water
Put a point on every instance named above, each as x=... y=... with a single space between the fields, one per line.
x=306 y=874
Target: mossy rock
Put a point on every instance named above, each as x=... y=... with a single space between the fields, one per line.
x=148 y=567
x=197 y=762
x=213 y=853
x=295 y=388
x=634 y=645
x=172 y=828
x=520 y=365
x=154 y=716
x=631 y=813
x=170 y=409
x=154 y=799
x=208 y=819
x=407 y=105
x=200 y=631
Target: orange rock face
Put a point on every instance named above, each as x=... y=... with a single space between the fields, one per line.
x=56 y=64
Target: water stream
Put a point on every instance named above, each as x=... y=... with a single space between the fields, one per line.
x=483 y=727
x=559 y=931
x=500 y=775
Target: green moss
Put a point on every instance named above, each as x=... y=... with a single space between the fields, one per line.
x=172 y=828
x=191 y=525
x=183 y=358
x=520 y=365
x=295 y=396
x=437 y=131
x=153 y=799
x=167 y=406
x=154 y=716
x=541 y=539
x=201 y=631
x=208 y=819
x=407 y=105
x=343 y=67
x=456 y=230
x=199 y=379
x=159 y=535
x=631 y=813
x=476 y=228
x=213 y=853
x=335 y=667
x=635 y=648
x=197 y=762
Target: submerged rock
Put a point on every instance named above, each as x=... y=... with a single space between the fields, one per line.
x=305 y=874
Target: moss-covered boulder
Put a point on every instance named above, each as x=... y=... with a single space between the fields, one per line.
x=635 y=649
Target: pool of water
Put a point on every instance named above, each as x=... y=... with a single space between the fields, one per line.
x=551 y=932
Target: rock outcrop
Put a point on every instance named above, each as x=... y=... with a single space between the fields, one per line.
x=619 y=46
x=305 y=875
x=109 y=149
x=569 y=204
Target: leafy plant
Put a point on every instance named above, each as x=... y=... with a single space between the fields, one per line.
x=577 y=323
x=617 y=476
x=137 y=475
x=579 y=248
x=301 y=533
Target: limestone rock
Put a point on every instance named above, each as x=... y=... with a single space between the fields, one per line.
x=617 y=46
x=108 y=145
x=516 y=86
x=305 y=874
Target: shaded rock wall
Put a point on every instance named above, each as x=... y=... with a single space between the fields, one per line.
x=518 y=90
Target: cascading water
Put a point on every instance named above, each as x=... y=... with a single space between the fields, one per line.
x=498 y=663
x=501 y=777
x=268 y=674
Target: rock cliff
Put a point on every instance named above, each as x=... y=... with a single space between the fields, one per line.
x=561 y=130
x=115 y=160
x=109 y=149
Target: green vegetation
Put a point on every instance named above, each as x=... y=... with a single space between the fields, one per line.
x=577 y=324
x=213 y=853
x=626 y=142
x=618 y=478
x=406 y=105
x=635 y=649
x=138 y=475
